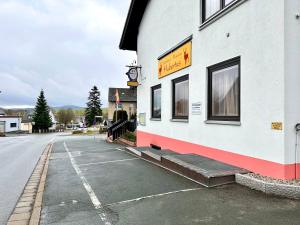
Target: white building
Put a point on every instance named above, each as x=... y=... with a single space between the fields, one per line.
x=2 y=112
x=11 y=123
x=53 y=120
x=220 y=78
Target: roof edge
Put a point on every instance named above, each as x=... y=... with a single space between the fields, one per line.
x=130 y=31
x=126 y=25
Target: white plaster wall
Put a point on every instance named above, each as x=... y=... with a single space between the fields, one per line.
x=257 y=35
x=8 y=121
x=292 y=77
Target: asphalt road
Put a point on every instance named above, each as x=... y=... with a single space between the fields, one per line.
x=18 y=157
x=91 y=182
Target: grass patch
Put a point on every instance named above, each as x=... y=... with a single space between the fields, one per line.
x=91 y=132
x=129 y=136
x=77 y=132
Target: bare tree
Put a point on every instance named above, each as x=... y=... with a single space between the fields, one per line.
x=65 y=116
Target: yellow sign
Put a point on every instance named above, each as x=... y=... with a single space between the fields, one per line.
x=132 y=83
x=176 y=60
x=277 y=126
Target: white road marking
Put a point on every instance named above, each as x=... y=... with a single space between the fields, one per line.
x=97 y=204
x=52 y=140
x=76 y=154
x=154 y=196
x=107 y=162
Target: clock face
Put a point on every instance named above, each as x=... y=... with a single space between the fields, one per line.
x=133 y=74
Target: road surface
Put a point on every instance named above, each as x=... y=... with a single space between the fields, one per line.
x=91 y=182
x=18 y=157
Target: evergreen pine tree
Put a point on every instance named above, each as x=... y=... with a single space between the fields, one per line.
x=41 y=116
x=93 y=106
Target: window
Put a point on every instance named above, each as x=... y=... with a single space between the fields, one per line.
x=211 y=7
x=228 y=2
x=13 y=125
x=224 y=91
x=156 y=102
x=181 y=98
x=119 y=106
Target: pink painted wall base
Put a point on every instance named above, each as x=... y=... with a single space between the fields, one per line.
x=260 y=166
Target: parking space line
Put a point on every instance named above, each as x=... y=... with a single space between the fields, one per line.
x=94 y=152
x=107 y=162
x=153 y=196
x=97 y=204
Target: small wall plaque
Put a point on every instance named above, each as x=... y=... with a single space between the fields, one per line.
x=277 y=126
x=142 y=119
x=196 y=108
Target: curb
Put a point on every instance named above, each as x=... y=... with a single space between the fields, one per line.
x=28 y=208
x=283 y=190
x=126 y=142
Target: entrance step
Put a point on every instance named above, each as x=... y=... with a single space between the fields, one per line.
x=155 y=155
x=204 y=170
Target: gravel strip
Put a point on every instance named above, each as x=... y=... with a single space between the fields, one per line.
x=275 y=181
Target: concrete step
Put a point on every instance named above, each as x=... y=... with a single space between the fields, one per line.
x=206 y=171
x=155 y=155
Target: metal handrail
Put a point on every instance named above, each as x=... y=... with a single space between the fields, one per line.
x=118 y=129
x=109 y=129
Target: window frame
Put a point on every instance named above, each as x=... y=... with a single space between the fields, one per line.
x=11 y=125
x=156 y=87
x=223 y=65
x=223 y=7
x=174 y=82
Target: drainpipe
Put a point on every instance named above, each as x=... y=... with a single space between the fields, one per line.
x=297 y=128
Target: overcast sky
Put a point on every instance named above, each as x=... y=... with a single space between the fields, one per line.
x=62 y=46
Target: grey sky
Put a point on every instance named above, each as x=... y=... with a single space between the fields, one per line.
x=62 y=46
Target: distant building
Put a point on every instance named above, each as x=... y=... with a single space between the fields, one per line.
x=2 y=112
x=79 y=120
x=10 y=123
x=53 y=120
x=127 y=101
x=26 y=124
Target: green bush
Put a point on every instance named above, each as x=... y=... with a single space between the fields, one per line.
x=133 y=116
x=122 y=115
x=90 y=132
x=129 y=136
x=77 y=132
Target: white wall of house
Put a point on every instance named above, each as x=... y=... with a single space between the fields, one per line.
x=53 y=120
x=11 y=123
x=292 y=77
x=27 y=127
x=129 y=107
x=265 y=34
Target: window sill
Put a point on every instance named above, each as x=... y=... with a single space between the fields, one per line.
x=221 y=13
x=232 y=123
x=180 y=120
x=155 y=119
